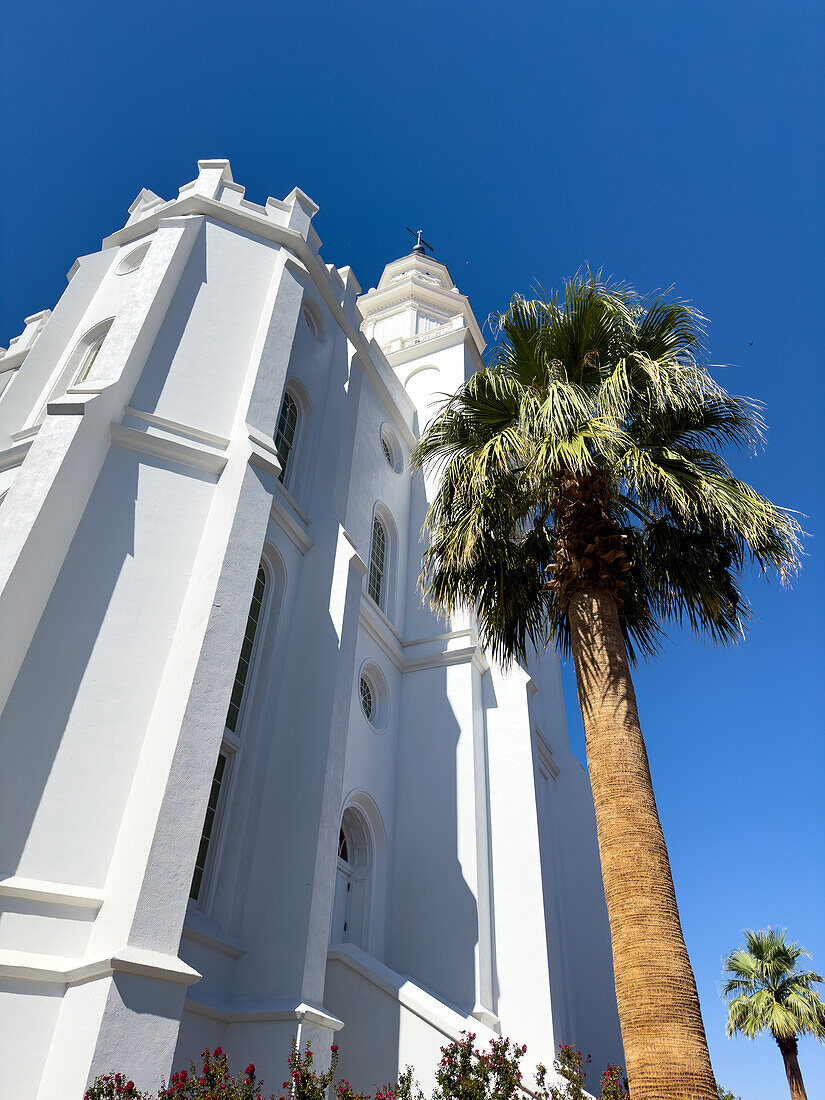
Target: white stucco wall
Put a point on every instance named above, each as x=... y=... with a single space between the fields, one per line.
x=139 y=511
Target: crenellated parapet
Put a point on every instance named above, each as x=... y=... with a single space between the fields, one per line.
x=215 y=183
x=13 y=356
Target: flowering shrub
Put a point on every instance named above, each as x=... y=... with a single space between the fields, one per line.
x=306 y=1084
x=465 y=1073
x=569 y=1064
x=213 y=1081
x=113 y=1086
x=614 y=1084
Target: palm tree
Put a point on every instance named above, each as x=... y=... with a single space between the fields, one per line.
x=766 y=991
x=582 y=500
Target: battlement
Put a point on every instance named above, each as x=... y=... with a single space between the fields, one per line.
x=216 y=182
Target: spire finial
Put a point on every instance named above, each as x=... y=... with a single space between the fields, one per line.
x=421 y=245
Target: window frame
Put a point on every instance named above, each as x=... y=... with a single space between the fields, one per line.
x=287 y=475
x=378 y=591
x=80 y=359
x=232 y=742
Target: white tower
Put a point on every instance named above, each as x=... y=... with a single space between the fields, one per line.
x=249 y=783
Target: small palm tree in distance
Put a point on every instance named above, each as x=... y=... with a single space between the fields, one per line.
x=767 y=992
x=580 y=496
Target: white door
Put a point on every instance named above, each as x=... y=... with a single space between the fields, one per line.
x=342 y=905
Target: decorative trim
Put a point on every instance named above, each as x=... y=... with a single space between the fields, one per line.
x=454 y=648
x=14 y=456
x=68 y=406
x=55 y=893
x=128 y=960
x=441 y=1016
x=185 y=454
x=430 y=346
x=239 y=1012
x=544 y=757
x=390 y=391
x=223 y=943
x=293 y=530
x=26 y=434
x=175 y=426
x=381 y=630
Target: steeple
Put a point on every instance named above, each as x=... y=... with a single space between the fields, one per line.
x=416 y=303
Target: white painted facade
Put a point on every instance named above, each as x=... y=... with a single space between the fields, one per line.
x=430 y=869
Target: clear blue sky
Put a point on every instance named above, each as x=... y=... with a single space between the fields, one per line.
x=669 y=142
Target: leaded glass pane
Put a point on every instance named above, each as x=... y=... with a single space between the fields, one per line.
x=367 y=702
x=88 y=362
x=378 y=552
x=246 y=651
x=285 y=435
x=208 y=825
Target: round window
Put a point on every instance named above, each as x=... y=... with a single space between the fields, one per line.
x=373 y=696
x=132 y=261
x=314 y=322
x=392 y=449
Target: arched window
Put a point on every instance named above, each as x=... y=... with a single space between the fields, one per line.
x=286 y=433
x=376 y=580
x=89 y=357
x=242 y=671
x=353 y=881
x=79 y=365
x=231 y=745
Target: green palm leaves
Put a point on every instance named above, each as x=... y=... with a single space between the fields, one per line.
x=601 y=384
x=767 y=991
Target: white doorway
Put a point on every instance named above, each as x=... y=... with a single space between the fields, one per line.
x=353 y=881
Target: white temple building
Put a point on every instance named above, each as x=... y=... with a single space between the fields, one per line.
x=249 y=782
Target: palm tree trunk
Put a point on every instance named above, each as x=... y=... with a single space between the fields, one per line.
x=664 y=1040
x=789 y=1048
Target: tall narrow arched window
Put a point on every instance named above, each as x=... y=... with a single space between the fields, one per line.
x=78 y=367
x=247 y=647
x=231 y=744
x=376 y=580
x=89 y=357
x=286 y=433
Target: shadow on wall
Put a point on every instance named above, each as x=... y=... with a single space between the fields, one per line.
x=433 y=912
x=63 y=722
x=157 y=370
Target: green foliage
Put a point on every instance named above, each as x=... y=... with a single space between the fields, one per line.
x=601 y=383
x=305 y=1082
x=569 y=1064
x=726 y=1094
x=767 y=991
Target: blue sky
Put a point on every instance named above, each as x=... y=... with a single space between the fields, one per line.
x=668 y=142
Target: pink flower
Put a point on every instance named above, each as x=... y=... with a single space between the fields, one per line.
x=250 y=1069
x=334 y=1047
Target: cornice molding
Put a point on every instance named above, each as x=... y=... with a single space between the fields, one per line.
x=51 y=893
x=152 y=442
x=390 y=391
x=451 y=648
x=28 y=966
x=237 y=1012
